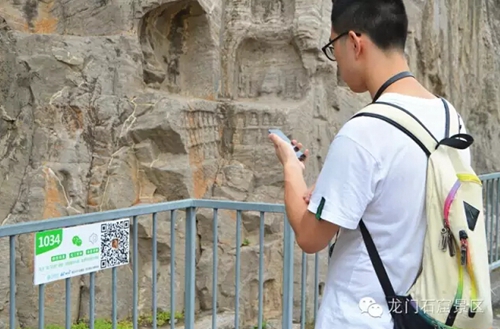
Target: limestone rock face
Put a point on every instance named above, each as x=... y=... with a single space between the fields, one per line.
x=107 y=104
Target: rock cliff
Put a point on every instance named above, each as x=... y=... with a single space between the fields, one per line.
x=113 y=103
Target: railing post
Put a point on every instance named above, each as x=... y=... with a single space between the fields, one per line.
x=288 y=243
x=12 y=279
x=190 y=271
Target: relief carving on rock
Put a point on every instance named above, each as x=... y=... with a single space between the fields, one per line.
x=266 y=69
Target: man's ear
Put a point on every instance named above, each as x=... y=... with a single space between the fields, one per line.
x=356 y=43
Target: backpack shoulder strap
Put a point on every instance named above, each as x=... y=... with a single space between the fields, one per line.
x=404 y=121
x=447 y=119
x=377 y=263
x=452 y=126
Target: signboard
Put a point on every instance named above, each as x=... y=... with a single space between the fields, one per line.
x=73 y=251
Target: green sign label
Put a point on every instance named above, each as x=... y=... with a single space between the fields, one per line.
x=75 y=254
x=57 y=258
x=47 y=241
x=92 y=251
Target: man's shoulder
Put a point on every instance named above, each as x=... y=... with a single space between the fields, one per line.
x=423 y=109
x=379 y=137
x=363 y=129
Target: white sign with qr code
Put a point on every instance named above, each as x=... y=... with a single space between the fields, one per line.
x=67 y=252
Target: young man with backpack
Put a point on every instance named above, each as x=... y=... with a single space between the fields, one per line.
x=396 y=189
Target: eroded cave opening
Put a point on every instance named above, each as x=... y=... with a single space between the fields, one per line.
x=179 y=54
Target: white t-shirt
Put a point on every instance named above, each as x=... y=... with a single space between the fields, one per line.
x=375 y=172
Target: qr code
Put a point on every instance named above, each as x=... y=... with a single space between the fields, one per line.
x=115 y=243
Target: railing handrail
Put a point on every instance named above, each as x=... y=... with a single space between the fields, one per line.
x=146 y=209
x=492 y=175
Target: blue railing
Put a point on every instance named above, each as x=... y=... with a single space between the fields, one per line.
x=491 y=200
x=303 y=310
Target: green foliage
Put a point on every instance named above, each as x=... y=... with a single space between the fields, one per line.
x=264 y=325
x=162 y=318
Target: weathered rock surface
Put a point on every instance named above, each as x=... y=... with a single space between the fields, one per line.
x=109 y=103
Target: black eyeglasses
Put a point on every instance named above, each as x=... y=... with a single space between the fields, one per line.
x=328 y=48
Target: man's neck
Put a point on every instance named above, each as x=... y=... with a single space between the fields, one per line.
x=382 y=68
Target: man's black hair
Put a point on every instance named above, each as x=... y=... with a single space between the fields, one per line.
x=384 y=21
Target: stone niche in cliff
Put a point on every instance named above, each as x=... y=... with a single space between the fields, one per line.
x=269 y=69
x=179 y=54
x=265 y=10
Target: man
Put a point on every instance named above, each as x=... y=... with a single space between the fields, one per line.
x=372 y=171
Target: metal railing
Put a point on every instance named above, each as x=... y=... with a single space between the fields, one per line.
x=491 y=200
x=176 y=210
x=302 y=309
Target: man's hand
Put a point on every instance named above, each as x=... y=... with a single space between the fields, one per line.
x=285 y=152
x=310 y=234
x=307 y=195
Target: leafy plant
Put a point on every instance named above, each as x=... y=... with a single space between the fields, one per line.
x=162 y=318
x=264 y=325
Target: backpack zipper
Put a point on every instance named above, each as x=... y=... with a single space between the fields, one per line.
x=447 y=238
x=463 y=246
x=444 y=239
x=464 y=250
x=447 y=241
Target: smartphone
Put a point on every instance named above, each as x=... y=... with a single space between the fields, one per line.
x=300 y=155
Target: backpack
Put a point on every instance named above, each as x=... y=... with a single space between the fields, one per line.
x=452 y=289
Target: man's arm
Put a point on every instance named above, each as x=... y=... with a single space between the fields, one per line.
x=343 y=189
x=309 y=232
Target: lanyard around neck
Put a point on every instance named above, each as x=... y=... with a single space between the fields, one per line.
x=389 y=82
